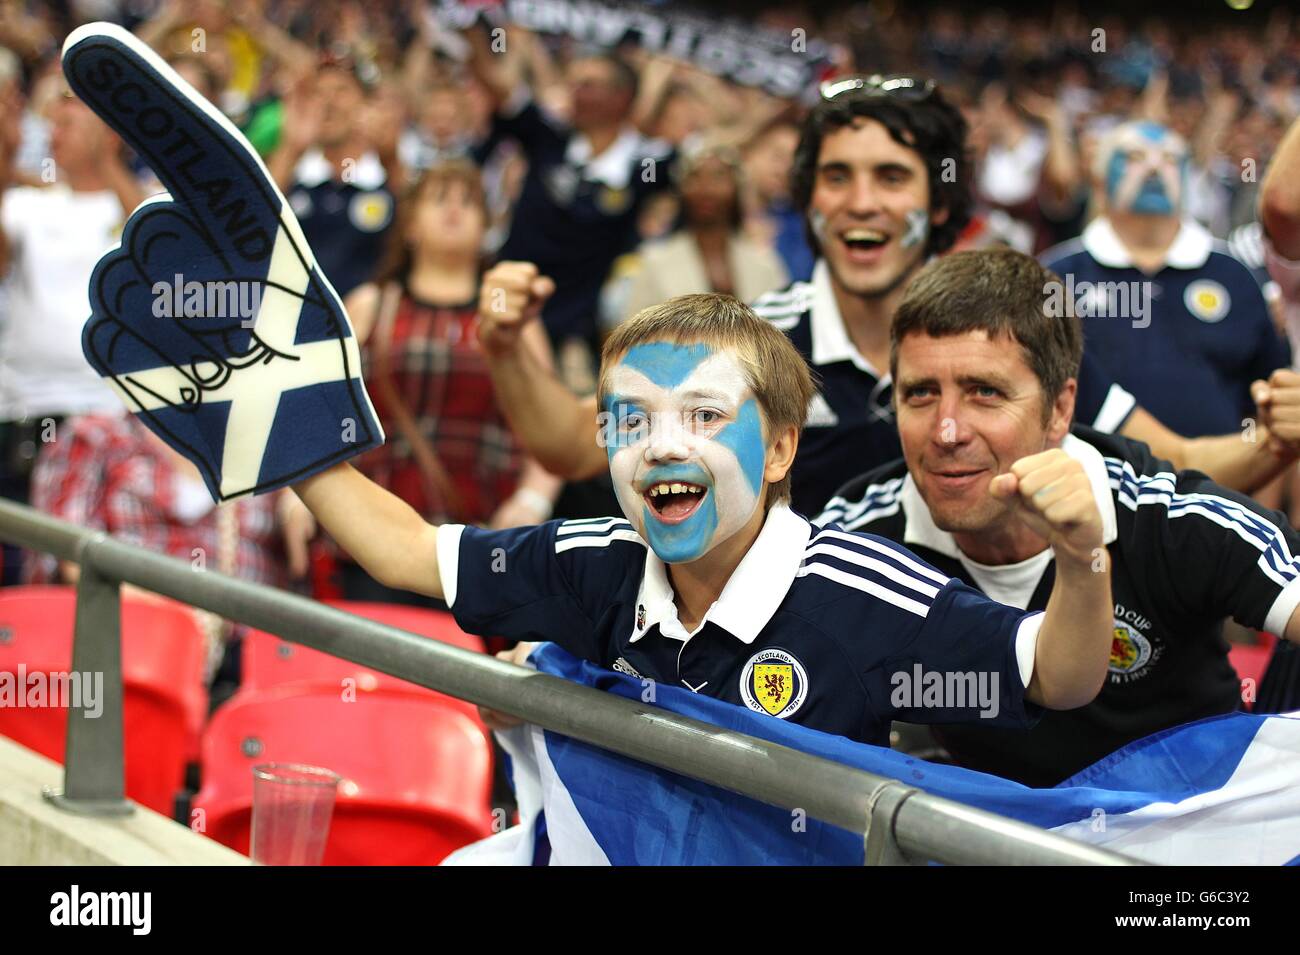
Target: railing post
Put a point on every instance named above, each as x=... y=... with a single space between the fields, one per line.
x=879 y=841
x=94 y=775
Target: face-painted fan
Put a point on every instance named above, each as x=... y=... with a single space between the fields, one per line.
x=211 y=319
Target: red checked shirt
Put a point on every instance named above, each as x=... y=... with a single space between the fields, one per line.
x=108 y=472
x=441 y=375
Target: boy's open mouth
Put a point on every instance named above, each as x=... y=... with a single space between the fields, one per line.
x=673 y=502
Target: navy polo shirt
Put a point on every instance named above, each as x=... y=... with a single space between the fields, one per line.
x=814 y=626
x=850 y=426
x=346 y=223
x=577 y=213
x=1185 y=553
x=1210 y=333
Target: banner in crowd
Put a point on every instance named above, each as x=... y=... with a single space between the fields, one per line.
x=1224 y=790
x=785 y=65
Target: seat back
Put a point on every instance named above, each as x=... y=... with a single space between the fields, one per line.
x=268 y=661
x=164 y=697
x=416 y=774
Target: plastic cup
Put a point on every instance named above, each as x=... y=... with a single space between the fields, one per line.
x=292 y=807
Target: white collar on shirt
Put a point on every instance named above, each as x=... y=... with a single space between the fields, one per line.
x=919 y=526
x=830 y=337
x=613 y=167
x=756 y=588
x=313 y=169
x=1189 y=250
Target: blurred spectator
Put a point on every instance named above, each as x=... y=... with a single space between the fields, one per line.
x=1010 y=152
x=707 y=253
x=587 y=177
x=449 y=453
x=1166 y=312
x=26 y=131
x=236 y=40
x=108 y=472
x=1279 y=212
x=50 y=240
x=774 y=219
x=441 y=129
x=333 y=175
x=28 y=29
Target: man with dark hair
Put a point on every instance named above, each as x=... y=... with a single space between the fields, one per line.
x=986 y=375
x=335 y=180
x=882 y=174
x=587 y=178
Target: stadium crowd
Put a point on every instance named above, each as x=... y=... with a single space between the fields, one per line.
x=441 y=167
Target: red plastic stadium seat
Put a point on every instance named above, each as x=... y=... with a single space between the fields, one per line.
x=268 y=661
x=1250 y=660
x=165 y=700
x=416 y=774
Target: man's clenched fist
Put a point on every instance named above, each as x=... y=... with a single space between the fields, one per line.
x=1055 y=498
x=511 y=295
x=1278 y=404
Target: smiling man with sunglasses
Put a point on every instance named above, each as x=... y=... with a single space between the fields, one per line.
x=883 y=175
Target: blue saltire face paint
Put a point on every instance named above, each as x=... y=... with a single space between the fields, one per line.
x=1146 y=169
x=684 y=436
x=818 y=223
x=918 y=228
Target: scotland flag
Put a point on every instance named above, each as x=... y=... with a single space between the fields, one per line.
x=1224 y=790
x=211 y=319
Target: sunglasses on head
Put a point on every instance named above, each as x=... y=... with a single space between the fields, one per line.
x=910 y=89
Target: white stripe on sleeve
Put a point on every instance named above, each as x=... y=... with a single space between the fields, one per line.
x=448 y=548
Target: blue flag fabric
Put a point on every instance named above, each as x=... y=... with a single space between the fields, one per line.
x=211 y=319
x=1219 y=791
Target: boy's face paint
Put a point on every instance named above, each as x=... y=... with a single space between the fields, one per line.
x=1146 y=169
x=684 y=417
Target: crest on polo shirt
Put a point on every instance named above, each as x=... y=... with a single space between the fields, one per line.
x=1207 y=300
x=1133 y=654
x=612 y=201
x=370 y=211
x=774 y=682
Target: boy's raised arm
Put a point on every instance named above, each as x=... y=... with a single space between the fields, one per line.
x=556 y=426
x=382 y=532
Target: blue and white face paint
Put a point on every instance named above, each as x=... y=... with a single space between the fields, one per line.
x=684 y=435
x=1145 y=169
x=918 y=228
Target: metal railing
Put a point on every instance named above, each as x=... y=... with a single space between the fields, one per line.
x=899 y=824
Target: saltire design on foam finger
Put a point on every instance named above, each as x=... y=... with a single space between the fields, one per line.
x=211 y=319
